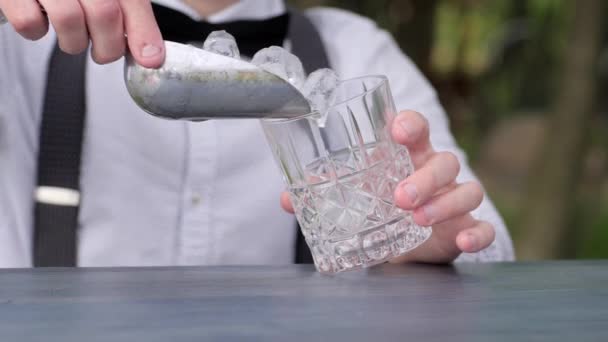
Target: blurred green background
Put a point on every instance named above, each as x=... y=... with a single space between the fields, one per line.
x=522 y=82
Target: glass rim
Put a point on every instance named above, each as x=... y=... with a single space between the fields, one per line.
x=383 y=80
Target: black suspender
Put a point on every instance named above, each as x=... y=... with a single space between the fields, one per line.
x=306 y=42
x=61 y=136
x=307 y=45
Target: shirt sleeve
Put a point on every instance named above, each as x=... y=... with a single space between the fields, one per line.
x=356 y=47
x=5 y=81
x=9 y=52
x=4 y=46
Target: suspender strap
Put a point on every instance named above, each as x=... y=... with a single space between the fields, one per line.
x=306 y=42
x=61 y=134
x=307 y=45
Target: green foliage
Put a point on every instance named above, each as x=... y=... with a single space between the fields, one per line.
x=594 y=244
x=467 y=35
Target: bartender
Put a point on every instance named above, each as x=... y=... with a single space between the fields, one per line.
x=155 y=192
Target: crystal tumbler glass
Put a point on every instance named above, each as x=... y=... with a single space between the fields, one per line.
x=341 y=171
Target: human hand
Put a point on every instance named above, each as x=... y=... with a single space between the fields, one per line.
x=435 y=198
x=104 y=22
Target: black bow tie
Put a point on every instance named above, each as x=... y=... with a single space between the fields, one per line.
x=250 y=35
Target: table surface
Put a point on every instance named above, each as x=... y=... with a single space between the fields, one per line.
x=549 y=301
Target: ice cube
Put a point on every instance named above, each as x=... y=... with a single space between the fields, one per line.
x=319 y=89
x=280 y=62
x=222 y=43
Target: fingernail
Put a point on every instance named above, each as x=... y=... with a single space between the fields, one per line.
x=472 y=240
x=407 y=129
x=411 y=192
x=150 y=51
x=430 y=213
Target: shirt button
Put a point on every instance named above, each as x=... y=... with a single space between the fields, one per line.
x=196 y=199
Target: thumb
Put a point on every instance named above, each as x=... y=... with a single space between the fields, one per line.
x=286 y=203
x=143 y=35
x=411 y=130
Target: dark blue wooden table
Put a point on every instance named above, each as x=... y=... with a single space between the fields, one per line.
x=551 y=301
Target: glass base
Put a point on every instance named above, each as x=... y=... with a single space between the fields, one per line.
x=369 y=247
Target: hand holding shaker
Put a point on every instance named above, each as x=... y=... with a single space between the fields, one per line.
x=341 y=169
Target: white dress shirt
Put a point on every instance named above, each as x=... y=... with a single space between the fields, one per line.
x=156 y=192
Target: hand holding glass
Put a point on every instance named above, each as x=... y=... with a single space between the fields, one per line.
x=341 y=170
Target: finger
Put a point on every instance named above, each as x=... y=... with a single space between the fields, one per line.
x=476 y=238
x=461 y=200
x=440 y=171
x=286 y=203
x=144 y=38
x=105 y=24
x=411 y=129
x=68 y=21
x=26 y=17
x=441 y=247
